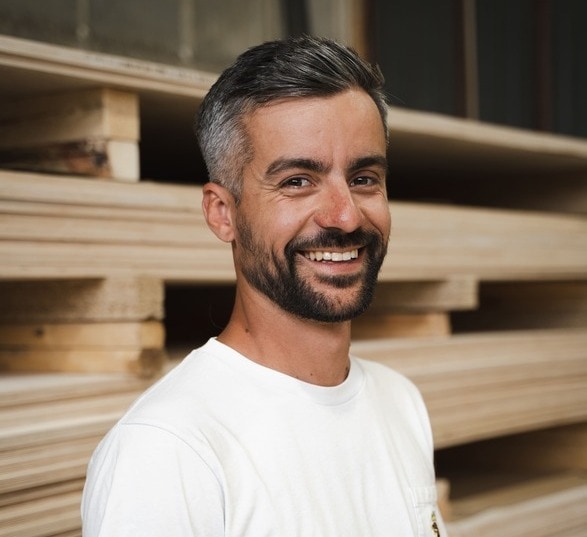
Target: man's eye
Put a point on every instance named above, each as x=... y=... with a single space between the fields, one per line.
x=295 y=182
x=363 y=180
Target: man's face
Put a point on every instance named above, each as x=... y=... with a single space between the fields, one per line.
x=313 y=222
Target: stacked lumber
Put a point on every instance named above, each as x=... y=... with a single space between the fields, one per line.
x=541 y=507
x=93 y=132
x=519 y=269
x=421 y=141
x=56 y=227
x=482 y=388
x=405 y=309
x=511 y=485
x=112 y=325
x=486 y=385
x=49 y=426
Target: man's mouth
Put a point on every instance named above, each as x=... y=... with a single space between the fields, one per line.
x=322 y=255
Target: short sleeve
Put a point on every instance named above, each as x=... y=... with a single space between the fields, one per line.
x=144 y=480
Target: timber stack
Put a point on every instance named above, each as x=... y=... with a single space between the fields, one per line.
x=483 y=304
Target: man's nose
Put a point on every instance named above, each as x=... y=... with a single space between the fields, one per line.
x=337 y=209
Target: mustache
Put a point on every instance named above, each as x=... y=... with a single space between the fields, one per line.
x=334 y=238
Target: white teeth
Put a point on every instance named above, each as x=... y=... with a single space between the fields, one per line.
x=332 y=256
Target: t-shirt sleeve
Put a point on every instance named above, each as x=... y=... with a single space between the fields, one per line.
x=144 y=480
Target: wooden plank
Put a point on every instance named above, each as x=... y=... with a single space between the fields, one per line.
x=556 y=449
x=61 y=421
x=488 y=244
x=483 y=385
x=527 y=305
x=18 y=389
x=92 y=132
x=18 y=227
x=89 y=114
x=42 y=465
x=102 y=336
x=459 y=293
x=443 y=143
x=542 y=508
x=22 y=261
x=97 y=158
x=121 y=299
x=375 y=325
x=133 y=347
x=143 y=362
x=41 y=518
x=147 y=196
x=44 y=491
x=54 y=68
x=98 y=212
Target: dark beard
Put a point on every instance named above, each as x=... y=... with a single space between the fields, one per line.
x=281 y=283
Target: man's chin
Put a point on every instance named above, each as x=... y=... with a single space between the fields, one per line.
x=336 y=309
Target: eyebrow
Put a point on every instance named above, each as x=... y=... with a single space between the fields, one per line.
x=280 y=165
x=313 y=165
x=367 y=162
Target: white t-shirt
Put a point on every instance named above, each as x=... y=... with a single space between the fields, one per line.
x=223 y=446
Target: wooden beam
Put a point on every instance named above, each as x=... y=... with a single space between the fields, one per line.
x=458 y=145
x=95 y=300
x=373 y=325
x=88 y=132
x=61 y=421
x=39 y=388
x=527 y=305
x=458 y=293
x=146 y=362
x=101 y=113
x=104 y=159
x=143 y=335
x=55 y=514
x=53 y=67
x=541 y=507
x=557 y=449
x=41 y=465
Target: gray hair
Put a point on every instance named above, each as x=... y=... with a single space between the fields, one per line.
x=296 y=67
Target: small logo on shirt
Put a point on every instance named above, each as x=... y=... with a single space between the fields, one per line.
x=434 y=525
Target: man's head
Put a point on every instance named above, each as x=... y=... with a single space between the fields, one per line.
x=295 y=139
x=297 y=67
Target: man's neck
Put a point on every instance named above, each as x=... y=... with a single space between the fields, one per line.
x=317 y=353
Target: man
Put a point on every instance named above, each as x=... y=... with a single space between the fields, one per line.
x=272 y=429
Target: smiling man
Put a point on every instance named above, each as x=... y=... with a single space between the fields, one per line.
x=272 y=428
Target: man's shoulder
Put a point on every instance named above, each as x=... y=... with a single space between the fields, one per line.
x=178 y=391
x=389 y=383
x=384 y=373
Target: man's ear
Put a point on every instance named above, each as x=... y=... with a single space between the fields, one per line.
x=218 y=205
